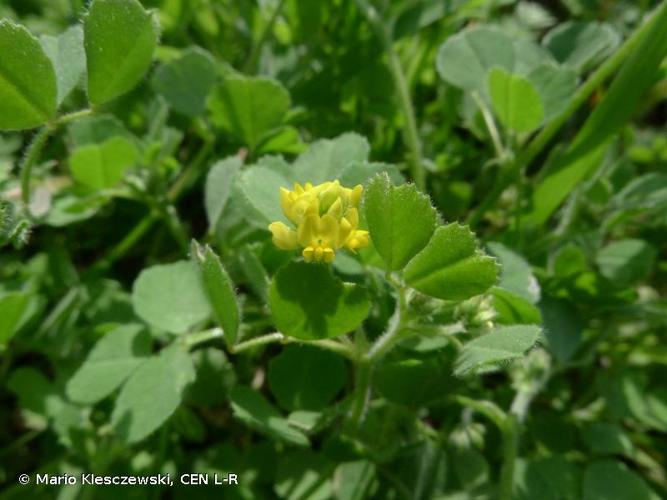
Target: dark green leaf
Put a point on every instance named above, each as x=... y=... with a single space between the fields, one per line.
x=306 y=378
x=308 y=302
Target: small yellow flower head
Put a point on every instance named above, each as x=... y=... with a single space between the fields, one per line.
x=326 y=218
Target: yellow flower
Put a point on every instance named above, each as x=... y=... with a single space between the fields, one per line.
x=325 y=218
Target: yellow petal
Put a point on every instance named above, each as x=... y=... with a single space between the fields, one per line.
x=327 y=230
x=307 y=230
x=283 y=236
x=355 y=196
x=344 y=232
x=328 y=255
x=352 y=216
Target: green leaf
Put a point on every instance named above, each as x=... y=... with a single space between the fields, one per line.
x=220 y=291
x=354 y=480
x=400 y=219
x=413 y=382
x=152 y=393
x=516 y=273
x=249 y=107
x=120 y=38
x=12 y=307
x=562 y=328
x=555 y=86
x=627 y=261
x=95 y=129
x=113 y=358
x=102 y=166
x=608 y=439
x=515 y=101
x=186 y=81
x=514 y=309
x=28 y=90
x=502 y=345
x=303 y=475
x=68 y=58
x=171 y=297
x=329 y=159
x=582 y=45
x=465 y=59
x=218 y=188
x=451 y=266
x=308 y=302
x=551 y=478
x=215 y=378
x=617 y=107
x=254 y=410
x=612 y=480
x=261 y=185
x=306 y=378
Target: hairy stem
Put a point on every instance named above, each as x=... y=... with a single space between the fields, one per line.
x=510 y=445
x=31 y=157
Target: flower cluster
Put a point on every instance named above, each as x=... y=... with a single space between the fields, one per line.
x=326 y=218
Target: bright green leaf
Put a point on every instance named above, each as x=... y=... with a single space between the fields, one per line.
x=249 y=107
x=113 y=358
x=502 y=345
x=186 y=81
x=103 y=166
x=68 y=58
x=28 y=89
x=400 y=219
x=152 y=393
x=306 y=378
x=254 y=410
x=515 y=101
x=451 y=266
x=171 y=297
x=308 y=302
x=120 y=38
x=220 y=291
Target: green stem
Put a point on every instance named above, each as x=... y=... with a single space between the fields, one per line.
x=269 y=338
x=490 y=125
x=362 y=389
x=510 y=443
x=31 y=157
x=75 y=115
x=198 y=338
x=35 y=148
x=411 y=134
